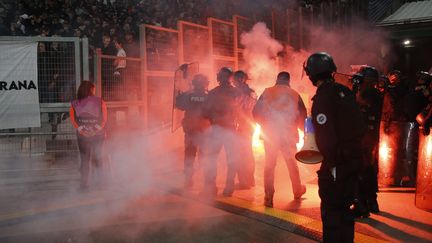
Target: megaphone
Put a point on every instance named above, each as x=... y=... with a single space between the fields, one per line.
x=309 y=154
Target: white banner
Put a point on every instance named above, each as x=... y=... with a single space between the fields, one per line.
x=19 y=98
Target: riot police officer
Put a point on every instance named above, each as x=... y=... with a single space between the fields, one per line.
x=418 y=97
x=194 y=124
x=369 y=99
x=423 y=99
x=245 y=129
x=222 y=109
x=393 y=101
x=339 y=129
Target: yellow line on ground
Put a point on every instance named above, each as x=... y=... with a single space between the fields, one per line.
x=290 y=217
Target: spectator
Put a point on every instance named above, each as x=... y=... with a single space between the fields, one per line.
x=131 y=46
x=119 y=69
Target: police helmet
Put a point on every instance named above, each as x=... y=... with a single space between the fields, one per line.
x=369 y=72
x=318 y=64
x=224 y=74
x=200 y=80
x=425 y=76
x=240 y=76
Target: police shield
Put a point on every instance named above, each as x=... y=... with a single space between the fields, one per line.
x=182 y=82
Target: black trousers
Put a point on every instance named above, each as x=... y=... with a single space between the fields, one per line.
x=90 y=148
x=336 y=199
x=368 y=181
x=193 y=148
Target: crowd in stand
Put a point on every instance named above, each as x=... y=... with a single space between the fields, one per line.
x=106 y=22
x=116 y=18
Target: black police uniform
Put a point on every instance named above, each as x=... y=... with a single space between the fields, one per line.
x=393 y=104
x=194 y=127
x=339 y=129
x=368 y=182
x=222 y=109
x=245 y=130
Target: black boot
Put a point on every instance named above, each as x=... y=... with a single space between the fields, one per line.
x=373 y=206
x=360 y=210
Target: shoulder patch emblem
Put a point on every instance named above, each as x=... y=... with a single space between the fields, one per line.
x=321 y=118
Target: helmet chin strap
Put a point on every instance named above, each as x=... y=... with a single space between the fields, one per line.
x=314 y=80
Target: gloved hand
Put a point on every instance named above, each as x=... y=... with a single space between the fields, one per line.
x=333 y=173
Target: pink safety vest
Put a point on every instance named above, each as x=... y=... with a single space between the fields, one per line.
x=88 y=111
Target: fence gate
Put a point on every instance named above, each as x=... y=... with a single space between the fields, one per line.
x=62 y=63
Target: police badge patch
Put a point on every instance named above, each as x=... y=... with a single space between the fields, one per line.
x=321 y=118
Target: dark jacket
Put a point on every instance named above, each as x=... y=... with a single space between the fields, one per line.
x=192 y=102
x=248 y=98
x=393 y=103
x=222 y=106
x=370 y=101
x=339 y=128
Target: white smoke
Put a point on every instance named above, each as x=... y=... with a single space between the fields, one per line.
x=260 y=55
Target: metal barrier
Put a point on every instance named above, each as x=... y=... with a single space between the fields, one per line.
x=161 y=59
x=221 y=38
x=241 y=25
x=62 y=64
x=194 y=45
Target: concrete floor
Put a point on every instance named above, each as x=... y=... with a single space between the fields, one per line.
x=145 y=202
x=113 y=216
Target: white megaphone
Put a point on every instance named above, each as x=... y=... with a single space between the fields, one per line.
x=309 y=154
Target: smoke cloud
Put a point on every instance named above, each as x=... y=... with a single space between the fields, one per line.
x=357 y=45
x=260 y=54
x=349 y=47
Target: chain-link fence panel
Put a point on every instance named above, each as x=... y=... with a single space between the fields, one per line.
x=194 y=44
x=218 y=64
x=56 y=71
x=242 y=25
x=120 y=84
x=242 y=65
x=160 y=100
x=161 y=48
x=222 y=34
